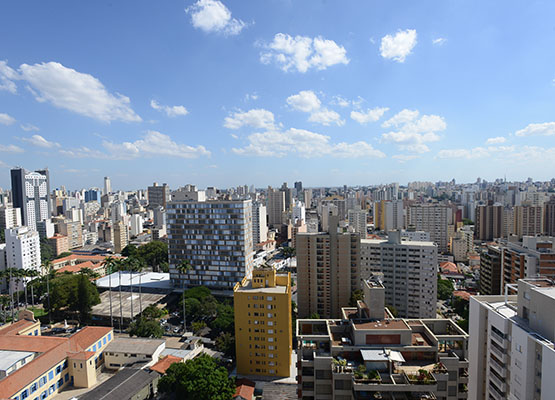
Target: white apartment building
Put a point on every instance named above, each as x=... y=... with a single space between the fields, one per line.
x=299 y=212
x=23 y=248
x=31 y=193
x=431 y=218
x=357 y=220
x=10 y=217
x=409 y=271
x=511 y=348
x=415 y=236
x=259 y=223
x=214 y=237
x=136 y=224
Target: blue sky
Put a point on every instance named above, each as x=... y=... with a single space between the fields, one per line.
x=261 y=92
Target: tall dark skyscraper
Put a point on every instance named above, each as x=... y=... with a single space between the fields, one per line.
x=31 y=193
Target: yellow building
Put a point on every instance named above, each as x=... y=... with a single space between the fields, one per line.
x=263 y=333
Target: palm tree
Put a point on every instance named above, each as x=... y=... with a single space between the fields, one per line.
x=110 y=263
x=47 y=267
x=184 y=268
x=31 y=273
x=4 y=301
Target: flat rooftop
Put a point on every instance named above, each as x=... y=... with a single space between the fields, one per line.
x=248 y=288
x=134 y=345
x=382 y=325
x=148 y=280
x=122 y=386
x=403 y=242
x=503 y=309
x=103 y=308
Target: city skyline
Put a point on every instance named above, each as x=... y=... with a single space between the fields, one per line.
x=228 y=93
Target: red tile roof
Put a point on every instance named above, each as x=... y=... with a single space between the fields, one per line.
x=16 y=327
x=82 y=355
x=449 y=267
x=244 y=389
x=79 y=267
x=462 y=294
x=162 y=365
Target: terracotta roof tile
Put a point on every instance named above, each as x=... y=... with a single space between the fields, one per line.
x=162 y=365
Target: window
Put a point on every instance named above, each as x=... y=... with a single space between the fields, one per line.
x=104 y=340
x=66 y=377
x=51 y=375
x=43 y=395
x=65 y=365
x=109 y=336
x=58 y=369
x=51 y=389
x=60 y=383
x=24 y=394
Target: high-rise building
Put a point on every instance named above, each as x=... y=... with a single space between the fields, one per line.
x=528 y=220
x=275 y=206
x=357 y=220
x=136 y=224
x=388 y=215
x=259 y=224
x=9 y=217
x=490 y=270
x=31 y=194
x=263 y=331
x=158 y=195
x=409 y=271
x=299 y=189
x=368 y=354
x=214 y=237
x=511 y=347
x=327 y=270
x=549 y=217
x=299 y=211
x=489 y=224
x=107 y=185
x=73 y=231
x=120 y=236
x=23 y=249
x=93 y=194
x=431 y=218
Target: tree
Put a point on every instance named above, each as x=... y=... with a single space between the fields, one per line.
x=87 y=296
x=183 y=269
x=109 y=265
x=392 y=310
x=153 y=312
x=314 y=315
x=445 y=288
x=73 y=292
x=130 y=251
x=356 y=296
x=198 y=326
x=147 y=328
x=47 y=253
x=153 y=253
x=467 y=221
x=198 y=379
x=226 y=344
x=224 y=321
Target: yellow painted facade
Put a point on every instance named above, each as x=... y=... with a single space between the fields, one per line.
x=263 y=332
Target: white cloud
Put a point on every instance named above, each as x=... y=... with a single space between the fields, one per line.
x=477 y=152
x=29 y=127
x=370 y=115
x=7 y=77
x=255 y=118
x=304 y=144
x=399 y=46
x=413 y=131
x=496 y=140
x=305 y=100
x=152 y=144
x=75 y=91
x=10 y=148
x=326 y=117
x=251 y=96
x=405 y=157
x=439 y=41
x=213 y=16
x=6 y=119
x=543 y=129
x=171 y=111
x=38 y=140
x=302 y=53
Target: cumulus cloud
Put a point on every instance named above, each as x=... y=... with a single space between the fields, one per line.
x=10 y=148
x=370 y=115
x=256 y=118
x=7 y=77
x=302 y=53
x=304 y=144
x=75 y=91
x=212 y=16
x=305 y=100
x=171 y=111
x=251 y=96
x=542 y=129
x=38 y=140
x=152 y=144
x=29 y=127
x=413 y=132
x=6 y=119
x=496 y=140
x=326 y=117
x=397 y=47
x=439 y=41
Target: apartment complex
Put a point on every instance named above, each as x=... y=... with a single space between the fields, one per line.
x=528 y=220
x=363 y=357
x=409 y=271
x=490 y=222
x=9 y=217
x=23 y=249
x=511 y=348
x=431 y=218
x=31 y=194
x=263 y=331
x=328 y=270
x=120 y=236
x=357 y=220
x=158 y=195
x=491 y=270
x=275 y=205
x=388 y=215
x=214 y=237
x=259 y=223
x=38 y=367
